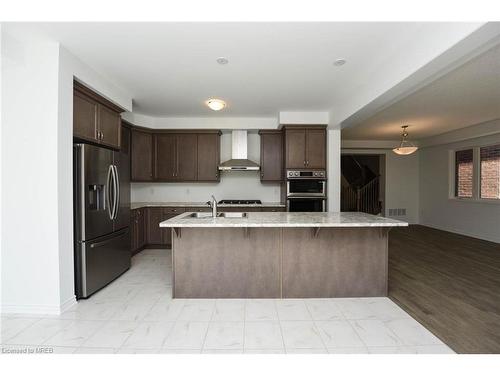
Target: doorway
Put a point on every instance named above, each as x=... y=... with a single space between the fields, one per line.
x=362 y=183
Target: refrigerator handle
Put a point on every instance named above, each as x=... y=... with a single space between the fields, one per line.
x=116 y=191
x=109 y=182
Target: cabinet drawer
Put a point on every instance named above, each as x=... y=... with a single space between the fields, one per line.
x=273 y=209
x=173 y=210
x=198 y=209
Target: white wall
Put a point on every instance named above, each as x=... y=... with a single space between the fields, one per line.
x=401 y=180
x=476 y=219
x=304 y=118
x=201 y=122
x=333 y=166
x=30 y=243
x=37 y=200
x=232 y=185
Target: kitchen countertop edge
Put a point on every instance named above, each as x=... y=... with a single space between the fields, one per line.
x=137 y=205
x=286 y=219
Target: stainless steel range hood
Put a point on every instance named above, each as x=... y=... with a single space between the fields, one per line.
x=239 y=153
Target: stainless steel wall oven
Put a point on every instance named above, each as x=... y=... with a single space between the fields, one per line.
x=306 y=190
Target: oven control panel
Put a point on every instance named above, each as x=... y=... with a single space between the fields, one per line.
x=315 y=174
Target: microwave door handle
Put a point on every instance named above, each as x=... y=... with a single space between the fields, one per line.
x=109 y=182
x=117 y=191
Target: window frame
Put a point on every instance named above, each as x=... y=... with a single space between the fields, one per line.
x=476 y=175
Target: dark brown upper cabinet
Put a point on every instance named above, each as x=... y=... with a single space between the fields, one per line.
x=141 y=163
x=305 y=147
x=316 y=148
x=95 y=119
x=175 y=156
x=271 y=155
x=208 y=157
x=187 y=157
x=109 y=126
x=165 y=157
x=84 y=117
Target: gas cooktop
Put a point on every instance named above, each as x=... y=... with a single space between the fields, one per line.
x=240 y=201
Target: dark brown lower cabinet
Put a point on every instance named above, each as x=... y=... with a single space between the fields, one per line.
x=145 y=223
x=138 y=229
x=155 y=233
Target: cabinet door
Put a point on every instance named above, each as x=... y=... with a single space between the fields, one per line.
x=165 y=155
x=316 y=149
x=295 y=148
x=187 y=158
x=109 y=126
x=271 y=156
x=133 y=231
x=84 y=117
x=141 y=227
x=208 y=157
x=155 y=233
x=142 y=156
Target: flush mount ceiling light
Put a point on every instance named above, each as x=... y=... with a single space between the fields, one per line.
x=216 y=104
x=339 y=62
x=405 y=147
x=222 y=60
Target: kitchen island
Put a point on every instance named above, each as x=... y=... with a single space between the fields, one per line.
x=280 y=255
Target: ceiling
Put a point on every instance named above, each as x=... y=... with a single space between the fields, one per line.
x=170 y=69
x=468 y=95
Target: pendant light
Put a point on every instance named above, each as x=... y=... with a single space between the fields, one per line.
x=405 y=147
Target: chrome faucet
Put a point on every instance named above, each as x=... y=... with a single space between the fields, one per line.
x=213 y=205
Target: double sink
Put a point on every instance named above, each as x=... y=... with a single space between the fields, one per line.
x=205 y=215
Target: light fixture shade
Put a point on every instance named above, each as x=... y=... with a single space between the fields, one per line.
x=216 y=104
x=407 y=150
x=405 y=147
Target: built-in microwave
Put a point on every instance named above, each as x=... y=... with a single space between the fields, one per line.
x=306 y=184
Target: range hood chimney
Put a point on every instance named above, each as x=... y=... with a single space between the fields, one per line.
x=239 y=154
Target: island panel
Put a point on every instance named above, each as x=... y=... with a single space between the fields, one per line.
x=334 y=262
x=227 y=263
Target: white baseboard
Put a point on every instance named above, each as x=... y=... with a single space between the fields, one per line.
x=66 y=305
x=39 y=309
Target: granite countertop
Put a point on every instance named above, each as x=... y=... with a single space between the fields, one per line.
x=286 y=219
x=136 y=205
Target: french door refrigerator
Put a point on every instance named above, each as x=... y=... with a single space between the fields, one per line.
x=102 y=217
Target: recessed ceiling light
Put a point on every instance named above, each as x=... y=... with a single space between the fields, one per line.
x=216 y=104
x=222 y=60
x=339 y=62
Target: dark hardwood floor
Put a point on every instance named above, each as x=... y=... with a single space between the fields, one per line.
x=450 y=284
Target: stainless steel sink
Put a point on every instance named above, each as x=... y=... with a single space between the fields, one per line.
x=231 y=215
x=199 y=215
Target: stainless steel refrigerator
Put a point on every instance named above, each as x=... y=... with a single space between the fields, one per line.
x=102 y=216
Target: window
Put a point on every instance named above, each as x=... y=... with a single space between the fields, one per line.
x=464 y=168
x=490 y=172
